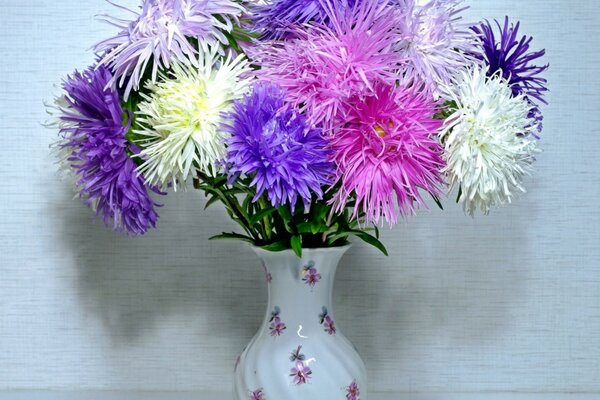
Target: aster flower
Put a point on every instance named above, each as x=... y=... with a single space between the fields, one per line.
x=386 y=152
x=488 y=143
x=324 y=67
x=277 y=18
x=512 y=58
x=270 y=142
x=93 y=144
x=160 y=33
x=181 y=118
x=435 y=42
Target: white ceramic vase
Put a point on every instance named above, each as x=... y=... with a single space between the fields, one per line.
x=299 y=352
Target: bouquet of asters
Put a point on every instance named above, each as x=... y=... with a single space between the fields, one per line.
x=311 y=121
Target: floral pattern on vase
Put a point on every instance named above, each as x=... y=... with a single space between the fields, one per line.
x=258 y=395
x=301 y=372
x=310 y=359
x=276 y=326
x=327 y=322
x=311 y=275
x=353 y=392
x=268 y=275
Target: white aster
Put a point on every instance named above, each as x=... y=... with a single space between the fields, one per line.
x=180 y=119
x=488 y=143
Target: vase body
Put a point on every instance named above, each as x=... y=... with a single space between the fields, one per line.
x=299 y=352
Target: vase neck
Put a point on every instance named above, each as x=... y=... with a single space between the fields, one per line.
x=300 y=288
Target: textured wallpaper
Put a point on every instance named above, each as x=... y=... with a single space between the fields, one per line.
x=509 y=302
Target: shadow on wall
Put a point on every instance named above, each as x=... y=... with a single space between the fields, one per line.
x=454 y=294
x=133 y=284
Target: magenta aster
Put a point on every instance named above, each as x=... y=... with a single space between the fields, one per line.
x=161 y=33
x=386 y=152
x=324 y=67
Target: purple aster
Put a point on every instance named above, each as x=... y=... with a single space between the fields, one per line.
x=160 y=33
x=511 y=55
x=279 y=18
x=93 y=144
x=274 y=145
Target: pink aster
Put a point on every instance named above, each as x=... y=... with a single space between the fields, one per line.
x=387 y=152
x=324 y=66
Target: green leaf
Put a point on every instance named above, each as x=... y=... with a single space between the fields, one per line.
x=213 y=199
x=296 y=242
x=438 y=202
x=264 y=213
x=232 y=236
x=275 y=247
x=364 y=236
x=459 y=194
x=373 y=242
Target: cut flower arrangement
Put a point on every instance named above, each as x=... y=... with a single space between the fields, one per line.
x=310 y=120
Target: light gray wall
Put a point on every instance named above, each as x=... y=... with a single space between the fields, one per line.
x=508 y=302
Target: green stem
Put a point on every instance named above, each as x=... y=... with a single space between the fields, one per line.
x=268 y=229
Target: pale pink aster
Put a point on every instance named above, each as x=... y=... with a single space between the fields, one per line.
x=324 y=66
x=436 y=42
x=386 y=153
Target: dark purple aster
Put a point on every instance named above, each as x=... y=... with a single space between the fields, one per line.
x=277 y=18
x=274 y=145
x=94 y=145
x=511 y=55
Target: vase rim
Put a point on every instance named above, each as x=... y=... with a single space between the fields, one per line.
x=311 y=250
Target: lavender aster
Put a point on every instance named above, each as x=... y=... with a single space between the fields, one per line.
x=274 y=145
x=93 y=144
x=436 y=41
x=160 y=33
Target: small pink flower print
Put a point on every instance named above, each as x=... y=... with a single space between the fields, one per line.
x=353 y=393
x=277 y=327
x=329 y=325
x=311 y=275
x=257 y=395
x=268 y=275
x=327 y=322
x=297 y=355
x=301 y=373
